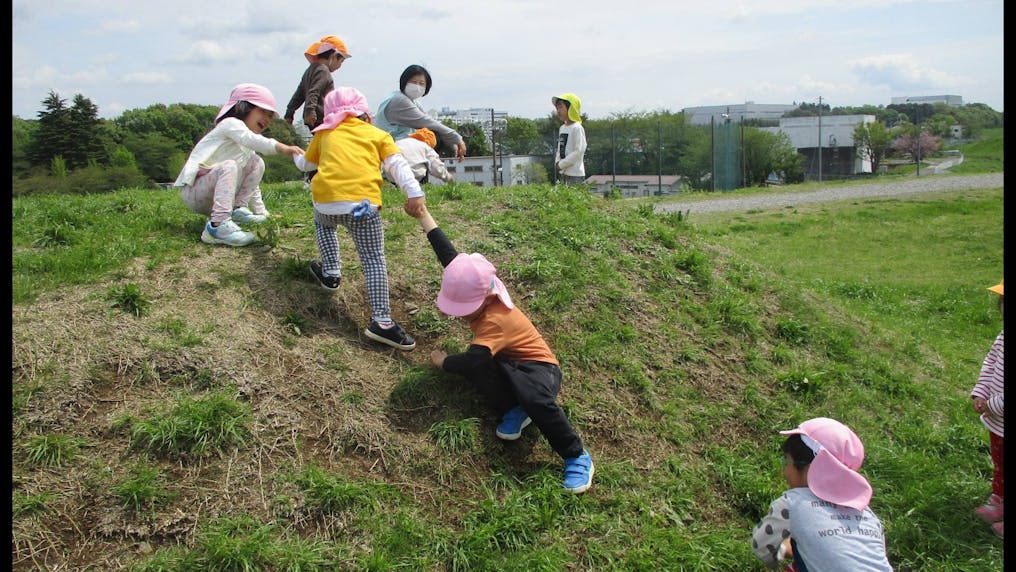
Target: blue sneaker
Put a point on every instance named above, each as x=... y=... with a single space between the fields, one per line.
x=512 y=424
x=243 y=215
x=226 y=233
x=578 y=473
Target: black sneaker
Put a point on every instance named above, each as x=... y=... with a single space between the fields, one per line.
x=394 y=336
x=330 y=283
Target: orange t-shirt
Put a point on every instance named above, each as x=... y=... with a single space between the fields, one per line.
x=509 y=334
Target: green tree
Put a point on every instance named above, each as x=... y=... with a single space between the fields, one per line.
x=154 y=153
x=183 y=124
x=476 y=140
x=75 y=133
x=809 y=110
x=87 y=136
x=53 y=132
x=22 y=135
x=520 y=137
x=766 y=153
x=122 y=157
x=872 y=141
x=977 y=116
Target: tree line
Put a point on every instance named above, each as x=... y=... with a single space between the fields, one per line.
x=69 y=148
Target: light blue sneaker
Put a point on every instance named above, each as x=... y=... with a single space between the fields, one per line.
x=578 y=473
x=226 y=233
x=514 y=421
x=243 y=215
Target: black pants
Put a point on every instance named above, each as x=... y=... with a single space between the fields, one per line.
x=534 y=386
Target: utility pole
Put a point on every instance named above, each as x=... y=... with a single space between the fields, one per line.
x=659 y=161
x=917 y=115
x=820 y=138
x=493 y=155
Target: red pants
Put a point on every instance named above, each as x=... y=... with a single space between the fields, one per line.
x=998 y=479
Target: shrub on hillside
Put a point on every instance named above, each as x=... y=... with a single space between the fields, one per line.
x=91 y=179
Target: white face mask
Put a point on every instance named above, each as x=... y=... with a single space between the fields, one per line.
x=414 y=91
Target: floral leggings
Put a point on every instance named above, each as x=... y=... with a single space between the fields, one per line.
x=224 y=187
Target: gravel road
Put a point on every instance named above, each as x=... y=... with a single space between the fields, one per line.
x=927 y=184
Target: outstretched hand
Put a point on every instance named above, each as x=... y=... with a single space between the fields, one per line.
x=291 y=150
x=415 y=207
x=437 y=358
x=460 y=150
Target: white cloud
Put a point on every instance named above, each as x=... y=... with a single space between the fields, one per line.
x=512 y=54
x=901 y=72
x=120 y=26
x=146 y=78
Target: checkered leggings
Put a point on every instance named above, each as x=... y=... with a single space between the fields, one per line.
x=369 y=239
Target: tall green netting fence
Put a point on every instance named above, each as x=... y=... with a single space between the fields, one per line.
x=726 y=151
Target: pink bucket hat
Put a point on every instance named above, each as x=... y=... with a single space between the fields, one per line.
x=251 y=93
x=340 y=103
x=466 y=282
x=833 y=474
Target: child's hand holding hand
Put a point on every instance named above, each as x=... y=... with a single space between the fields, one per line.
x=291 y=150
x=415 y=207
x=437 y=358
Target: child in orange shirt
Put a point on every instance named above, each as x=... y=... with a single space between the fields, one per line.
x=508 y=360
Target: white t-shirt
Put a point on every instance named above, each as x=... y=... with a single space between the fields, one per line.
x=829 y=537
x=571 y=150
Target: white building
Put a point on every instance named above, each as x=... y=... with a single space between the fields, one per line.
x=482 y=170
x=737 y=112
x=632 y=186
x=485 y=117
x=952 y=100
x=828 y=136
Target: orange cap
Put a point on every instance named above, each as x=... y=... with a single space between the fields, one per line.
x=998 y=288
x=323 y=45
x=425 y=135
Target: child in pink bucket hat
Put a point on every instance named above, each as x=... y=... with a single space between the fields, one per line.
x=508 y=360
x=222 y=176
x=349 y=154
x=823 y=522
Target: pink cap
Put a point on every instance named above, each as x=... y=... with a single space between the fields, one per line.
x=252 y=93
x=833 y=474
x=467 y=281
x=340 y=103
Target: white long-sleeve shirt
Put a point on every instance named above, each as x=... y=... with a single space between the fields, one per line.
x=229 y=139
x=422 y=158
x=991 y=387
x=571 y=150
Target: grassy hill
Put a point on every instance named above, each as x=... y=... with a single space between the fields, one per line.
x=177 y=406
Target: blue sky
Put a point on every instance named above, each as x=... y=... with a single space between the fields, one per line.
x=513 y=55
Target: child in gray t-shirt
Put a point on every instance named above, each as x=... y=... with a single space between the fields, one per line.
x=823 y=521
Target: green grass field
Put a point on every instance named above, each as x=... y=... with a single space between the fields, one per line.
x=182 y=407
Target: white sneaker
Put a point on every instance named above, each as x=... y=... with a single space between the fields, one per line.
x=226 y=233
x=243 y=215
